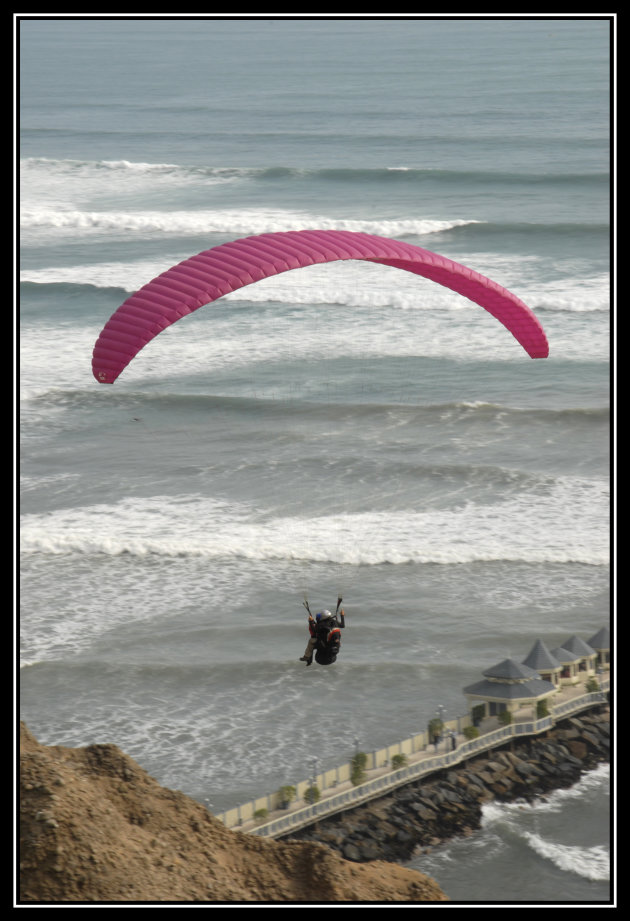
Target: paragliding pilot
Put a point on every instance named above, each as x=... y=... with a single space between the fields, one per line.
x=325 y=635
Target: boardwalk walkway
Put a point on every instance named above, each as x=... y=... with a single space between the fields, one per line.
x=338 y=795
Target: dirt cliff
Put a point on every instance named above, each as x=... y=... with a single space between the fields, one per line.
x=95 y=827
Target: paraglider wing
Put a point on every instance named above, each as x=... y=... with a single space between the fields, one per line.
x=218 y=271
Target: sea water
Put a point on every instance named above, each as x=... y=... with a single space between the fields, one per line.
x=346 y=429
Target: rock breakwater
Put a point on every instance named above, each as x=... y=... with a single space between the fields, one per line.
x=424 y=813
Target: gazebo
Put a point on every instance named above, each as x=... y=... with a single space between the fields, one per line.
x=544 y=663
x=508 y=686
x=600 y=642
x=587 y=664
x=570 y=662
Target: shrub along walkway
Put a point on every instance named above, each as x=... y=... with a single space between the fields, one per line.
x=382 y=780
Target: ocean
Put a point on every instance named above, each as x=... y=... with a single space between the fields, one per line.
x=345 y=429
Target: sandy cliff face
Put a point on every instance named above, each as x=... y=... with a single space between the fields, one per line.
x=95 y=827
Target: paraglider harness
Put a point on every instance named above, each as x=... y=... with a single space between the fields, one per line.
x=328 y=635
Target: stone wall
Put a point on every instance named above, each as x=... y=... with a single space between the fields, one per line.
x=449 y=803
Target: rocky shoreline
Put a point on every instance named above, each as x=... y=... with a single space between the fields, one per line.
x=448 y=804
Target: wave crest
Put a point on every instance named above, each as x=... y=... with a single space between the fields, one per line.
x=565 y=523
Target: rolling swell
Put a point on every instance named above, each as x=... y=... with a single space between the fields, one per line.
x=261 y=406
x=283 y=173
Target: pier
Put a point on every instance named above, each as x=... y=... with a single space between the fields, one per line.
x=269 y=817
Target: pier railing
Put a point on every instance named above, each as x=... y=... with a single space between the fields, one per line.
x=421 y=761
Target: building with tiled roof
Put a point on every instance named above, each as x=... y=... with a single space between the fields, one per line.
x=588 y=656
x=507 y=686
x=600 y=642
x=570 y=662
x=544 y=663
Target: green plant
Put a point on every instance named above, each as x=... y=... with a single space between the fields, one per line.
x=471 y=732
x=311 y=795
x=399 y=761
x=591 y=685
x=505 y=717
x=286 y=795
x=261 y=813
x=357 y=768
x=435 y=729
x=478 y=713
x=542 y=709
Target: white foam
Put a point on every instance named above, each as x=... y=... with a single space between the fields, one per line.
x=71 y=222
x=592 y=862
x=589 y=862
x=569 y=524
x=554 y=802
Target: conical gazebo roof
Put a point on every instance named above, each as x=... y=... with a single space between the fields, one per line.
x=539 y=658
x=510 y=670
x=565 y=655
x=577 y=644
x=601 y=640
x=510 y=680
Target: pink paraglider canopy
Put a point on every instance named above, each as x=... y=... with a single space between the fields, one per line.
x=211 y=274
